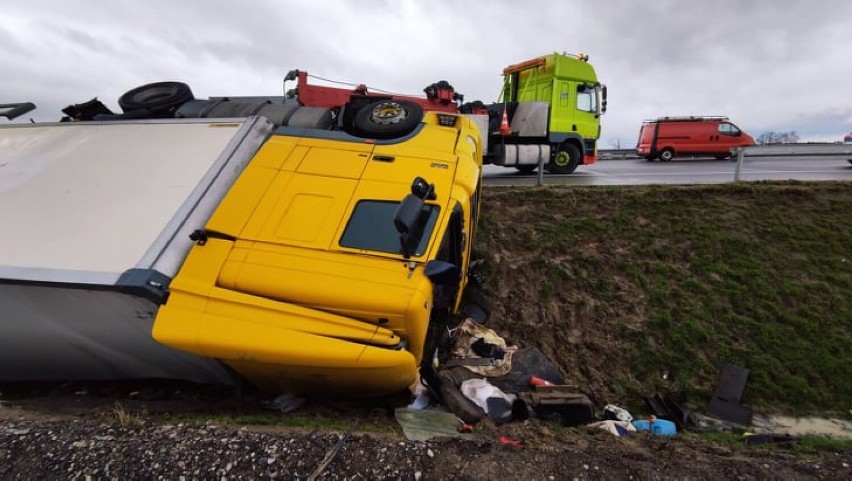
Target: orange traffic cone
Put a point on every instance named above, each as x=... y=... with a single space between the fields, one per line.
x=504 y=124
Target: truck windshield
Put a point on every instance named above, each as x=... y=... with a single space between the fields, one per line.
x=371 y=227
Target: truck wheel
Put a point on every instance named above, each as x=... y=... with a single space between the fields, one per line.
x=564 y=160
x=156 y=97
x=388 y=118
x=666 y=155
x=526 y=169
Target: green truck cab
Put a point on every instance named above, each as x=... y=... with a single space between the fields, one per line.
x=549 y=115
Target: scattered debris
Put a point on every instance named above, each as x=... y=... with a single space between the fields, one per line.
x=421 y=397
x=617 y=428
x=285 y=403
x=560 y=402
x=537 y=381
x=660 y=427
x=615 y=413
x=729 y=392
x=670 y=406
x=480 y=391
x=464 y=428
x=471 y=340
x=510 y=442
x=753 y=439
x=703 y=423
x=425 y=424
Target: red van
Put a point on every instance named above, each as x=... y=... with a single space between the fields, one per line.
x=669 y=137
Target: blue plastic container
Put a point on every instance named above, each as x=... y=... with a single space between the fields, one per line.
x=660 y=427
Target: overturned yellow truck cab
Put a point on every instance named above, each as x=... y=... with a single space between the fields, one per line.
x=334 y=261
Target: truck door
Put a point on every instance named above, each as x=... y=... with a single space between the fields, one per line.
x=728 y=136
x=562 y=107
x=585 y=119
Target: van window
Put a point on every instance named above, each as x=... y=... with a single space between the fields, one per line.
x=586 y=99
x=371 y=227
x=728 y=129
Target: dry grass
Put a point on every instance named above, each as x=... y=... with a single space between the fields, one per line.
x=127 y=419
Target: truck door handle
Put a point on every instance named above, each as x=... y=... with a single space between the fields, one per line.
x=200 y=236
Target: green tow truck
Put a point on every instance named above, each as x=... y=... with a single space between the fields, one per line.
x=548 y=115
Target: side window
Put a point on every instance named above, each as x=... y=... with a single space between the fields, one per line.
x=474 y=205
x=371 y=227
x=586 y=99
x=728 y=129
x=474 y=211
x=453 y=243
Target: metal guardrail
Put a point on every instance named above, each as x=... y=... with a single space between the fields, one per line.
x=603 y=154
x=609 y=154
x=790 y=150
x=804 y=150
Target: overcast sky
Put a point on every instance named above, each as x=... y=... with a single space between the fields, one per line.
x=767 y=64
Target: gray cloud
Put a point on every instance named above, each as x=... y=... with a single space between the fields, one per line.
x=769 y=65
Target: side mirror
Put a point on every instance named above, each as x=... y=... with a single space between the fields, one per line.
x=407 y=214
x=407 y=220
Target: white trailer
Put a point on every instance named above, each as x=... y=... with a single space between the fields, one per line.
x=81 y=278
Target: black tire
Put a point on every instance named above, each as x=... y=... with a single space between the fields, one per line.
x=526 y=169
x=387 y=119
x=565 y=159
x=722 y=157
x=666 y=155
x=159 y=97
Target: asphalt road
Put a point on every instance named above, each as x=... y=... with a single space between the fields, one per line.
x=682 y=171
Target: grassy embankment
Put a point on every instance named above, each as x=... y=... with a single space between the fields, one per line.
x=634 y=282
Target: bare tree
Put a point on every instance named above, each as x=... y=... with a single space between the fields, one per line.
x=771 y=137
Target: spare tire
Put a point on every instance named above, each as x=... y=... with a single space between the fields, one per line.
x=158 y=97
x=387 y=119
